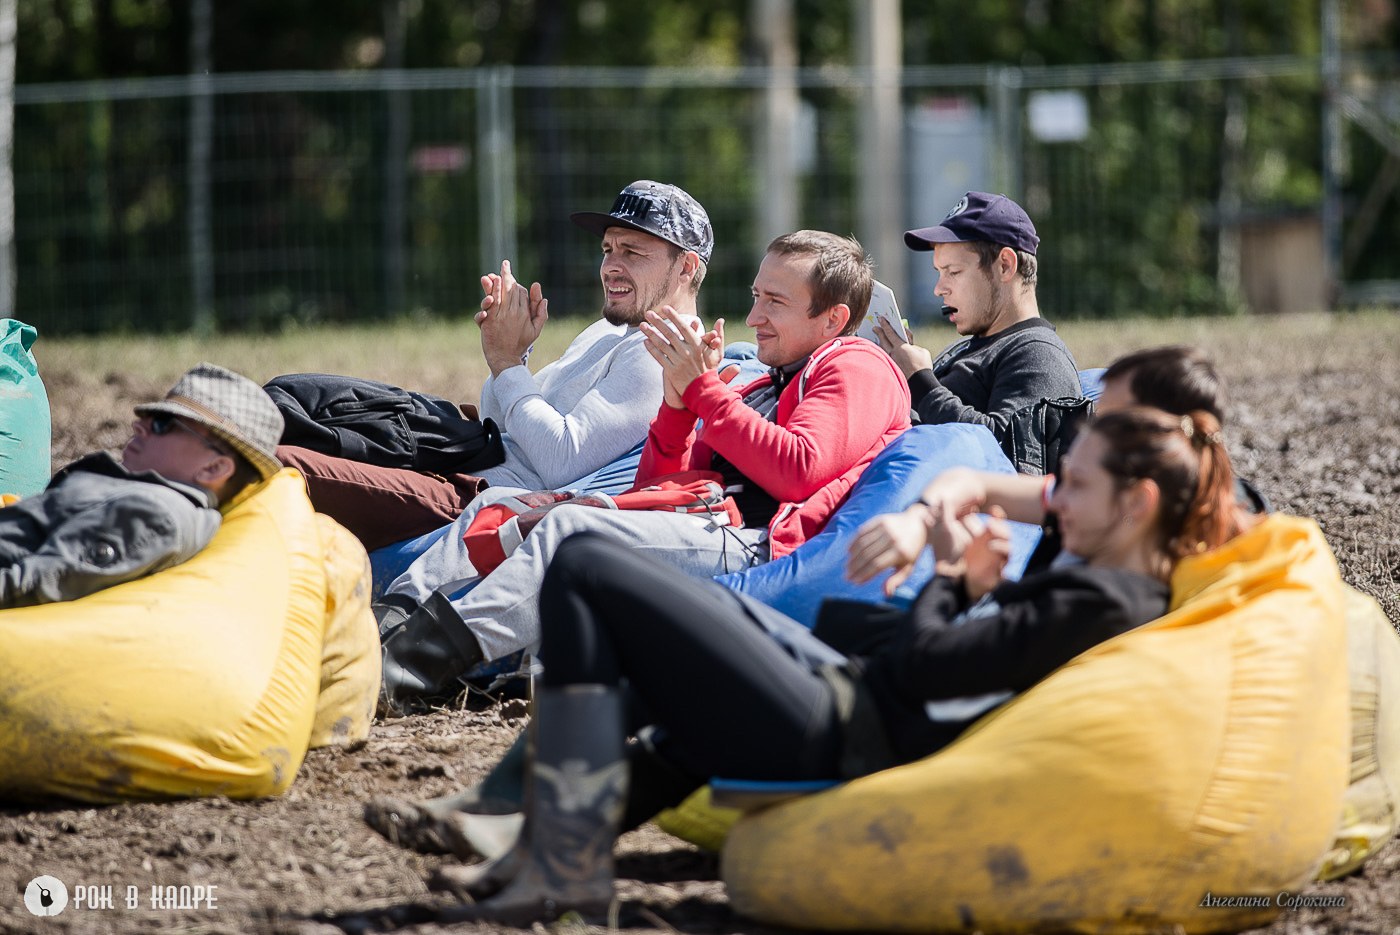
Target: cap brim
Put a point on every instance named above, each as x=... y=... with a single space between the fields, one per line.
x=925 y=237
x=262 y=462
x=597 y=223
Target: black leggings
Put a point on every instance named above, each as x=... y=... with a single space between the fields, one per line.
x=730 y=701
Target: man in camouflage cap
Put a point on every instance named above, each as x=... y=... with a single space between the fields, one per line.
x=102 y=521
x=571 y=417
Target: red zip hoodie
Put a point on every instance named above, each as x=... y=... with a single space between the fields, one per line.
x=845 y=405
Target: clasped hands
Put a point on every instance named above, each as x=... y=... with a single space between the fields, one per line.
x=511 y=318
x=946 y=518
x=683 y=352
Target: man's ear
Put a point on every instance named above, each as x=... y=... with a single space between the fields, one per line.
x=215 y=472
x=1007 y=264
x=837 y=317
x=690 y=264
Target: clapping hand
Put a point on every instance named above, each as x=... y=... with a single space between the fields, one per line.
x=683 y=352
x=511 y=318
x=890 y=542
x=985 y=557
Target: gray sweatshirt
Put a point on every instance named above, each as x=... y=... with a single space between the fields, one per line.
x=584 y=410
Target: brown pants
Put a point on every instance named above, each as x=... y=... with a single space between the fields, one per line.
x=381 y=505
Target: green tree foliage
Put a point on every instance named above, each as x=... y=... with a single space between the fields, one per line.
x=1130 y=216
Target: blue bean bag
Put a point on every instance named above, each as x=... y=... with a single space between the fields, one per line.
x=25 y=430
x=797 y=583
x=1091 y=382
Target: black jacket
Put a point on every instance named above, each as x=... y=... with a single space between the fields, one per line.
x=937 y=651
x=376 y=423
x=98 y=525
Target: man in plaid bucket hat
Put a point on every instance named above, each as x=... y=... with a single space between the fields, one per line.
x=102 y=520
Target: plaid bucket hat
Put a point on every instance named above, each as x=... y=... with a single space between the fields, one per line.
x=659 y=209
x=232 y=407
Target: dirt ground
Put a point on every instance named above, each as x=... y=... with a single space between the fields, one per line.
x=1317 y=432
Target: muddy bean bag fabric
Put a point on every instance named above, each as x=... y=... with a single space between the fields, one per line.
x=208 y=678
x=25 y=430
x=1204 y=753
x=350 y=656
x=1370 y=814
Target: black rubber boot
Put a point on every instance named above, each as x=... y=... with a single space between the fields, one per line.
x=391 y=610
x=425 y=655
x=476 y=823
x=576 y=791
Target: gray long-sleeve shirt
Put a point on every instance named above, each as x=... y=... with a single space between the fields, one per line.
x=984 y=380
x=97 y=525
x=577 y=414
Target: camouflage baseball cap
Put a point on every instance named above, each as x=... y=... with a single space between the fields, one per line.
x=655 y=208
x=232 y=407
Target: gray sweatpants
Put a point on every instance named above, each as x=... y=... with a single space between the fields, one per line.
x=502 y=610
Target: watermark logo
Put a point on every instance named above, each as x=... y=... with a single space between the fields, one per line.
x=1281 y=900
x=48 y=896
x=45 y=896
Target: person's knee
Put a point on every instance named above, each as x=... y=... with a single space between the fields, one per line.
x=580 y=557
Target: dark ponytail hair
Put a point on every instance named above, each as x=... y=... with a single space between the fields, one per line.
x=1186 y=458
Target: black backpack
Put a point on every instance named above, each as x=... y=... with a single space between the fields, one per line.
x=1039 y=434
x=376 y=423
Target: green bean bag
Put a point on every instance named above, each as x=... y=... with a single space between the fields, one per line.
x=25 y=430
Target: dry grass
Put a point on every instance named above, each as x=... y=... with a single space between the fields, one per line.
x=444 y=356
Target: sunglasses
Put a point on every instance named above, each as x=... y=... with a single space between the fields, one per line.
x=164 y=424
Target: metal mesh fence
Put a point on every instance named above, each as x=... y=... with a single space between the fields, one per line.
x=343 y=197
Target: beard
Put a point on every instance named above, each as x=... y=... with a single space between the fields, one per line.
x=999 y=302
x=641 y=302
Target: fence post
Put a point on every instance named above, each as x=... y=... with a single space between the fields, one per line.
x=880 y=177
x=776 y=204
x=200 y=146
x=1332 y=156
x=395 y=159
x=8 y=26
x=495 y=168
x=1005 y=91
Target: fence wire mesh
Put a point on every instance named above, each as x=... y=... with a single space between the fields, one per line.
x=357 y=196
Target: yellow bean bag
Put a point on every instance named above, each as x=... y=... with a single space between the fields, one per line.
x=1200 y=757
x=350 y=656
x=1369 y=814
x=205 y=679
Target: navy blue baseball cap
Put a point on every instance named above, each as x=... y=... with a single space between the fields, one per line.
x=665 y=211
x=980 y=216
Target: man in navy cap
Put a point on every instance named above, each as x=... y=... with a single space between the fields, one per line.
x=569 y=418
x=985 y=255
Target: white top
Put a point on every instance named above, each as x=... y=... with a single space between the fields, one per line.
x=589 y=407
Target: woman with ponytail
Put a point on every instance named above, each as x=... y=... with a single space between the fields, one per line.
x=719 y=697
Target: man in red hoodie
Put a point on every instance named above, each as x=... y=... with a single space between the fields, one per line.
x=789 y=445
